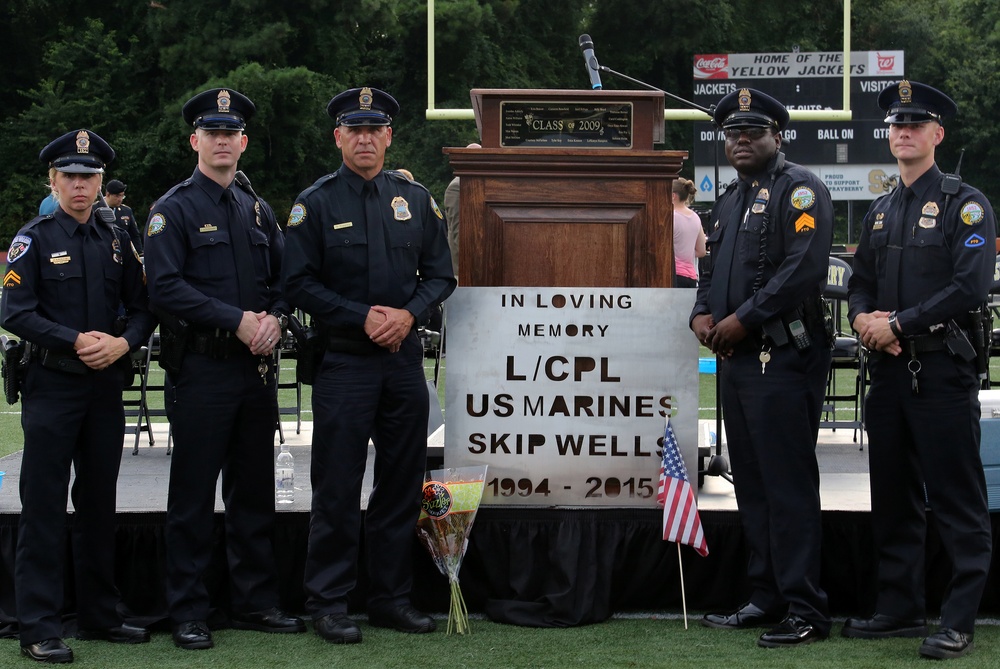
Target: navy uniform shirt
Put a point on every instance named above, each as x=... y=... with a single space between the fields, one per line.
x=189 y=257
x=797 y=252
x=326 y=257
x=948 y=255
x=45 y=288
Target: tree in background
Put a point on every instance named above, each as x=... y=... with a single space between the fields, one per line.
x=125 y=68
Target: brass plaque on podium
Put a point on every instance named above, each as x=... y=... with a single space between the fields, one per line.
x=579 y=125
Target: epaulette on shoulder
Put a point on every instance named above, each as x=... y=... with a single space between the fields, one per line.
x=184 y=184
x=36 y=220
x=319 y=183
x=399 y=176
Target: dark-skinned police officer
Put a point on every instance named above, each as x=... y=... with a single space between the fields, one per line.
x=367 y=256
x=759 y=309
x=213 y=259
x=68 y=273
x=923 y=268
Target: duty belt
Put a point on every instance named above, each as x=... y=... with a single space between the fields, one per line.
x=925 y=343
x=218 y=344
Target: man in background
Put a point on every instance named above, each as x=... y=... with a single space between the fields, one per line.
x=114 y=195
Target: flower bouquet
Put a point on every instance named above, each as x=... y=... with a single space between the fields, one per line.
x=447 y=509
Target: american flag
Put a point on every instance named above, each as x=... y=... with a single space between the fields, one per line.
x=680 y=511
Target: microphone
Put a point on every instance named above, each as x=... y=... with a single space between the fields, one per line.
x=587 y=46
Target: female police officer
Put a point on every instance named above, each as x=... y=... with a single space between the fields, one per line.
x=68 y=275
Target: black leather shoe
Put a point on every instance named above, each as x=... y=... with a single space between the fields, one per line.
x=269 y=620
x=50 y=650
x=946 y=643
x=793 y=631
x=193 y=635
x=883 y=627
x=121 y=634
x=338 y=628
x=403 y=618
x=747 y=615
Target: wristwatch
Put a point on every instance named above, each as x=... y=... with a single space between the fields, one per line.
x=282 y=318
x=895 y=328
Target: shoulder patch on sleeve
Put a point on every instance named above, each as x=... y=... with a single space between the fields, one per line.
x=18 y=247
x=974 y=241
x=157 y=224
x=297 y=215
x=437 y=210
x=11 y=279
x=804 y=223
x=803 y=198
x=972 y=213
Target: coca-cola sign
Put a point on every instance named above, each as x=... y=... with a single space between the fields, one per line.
x=711 y=66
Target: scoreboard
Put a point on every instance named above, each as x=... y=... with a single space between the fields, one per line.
x=852 y=157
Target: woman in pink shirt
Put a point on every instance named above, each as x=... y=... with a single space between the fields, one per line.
x=689 y=236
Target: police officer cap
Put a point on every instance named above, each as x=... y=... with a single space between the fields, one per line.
x=750 y=108
x=912 y=102
x=363 y=106
x=78 y=152
x=218 y=109
x=115 y=187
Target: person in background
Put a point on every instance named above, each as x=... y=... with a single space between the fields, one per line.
x=689 y=236
x=213 y=260
x=114 y=196
x=759 y=308
x=49 y=203
x=367 y=257
x=452 y=211
x=68 y=274
x=923 y=266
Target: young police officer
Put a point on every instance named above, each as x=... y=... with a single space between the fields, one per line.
x=924 y=264
x=758 y=307
x=213 y=258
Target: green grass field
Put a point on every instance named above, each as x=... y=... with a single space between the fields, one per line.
x=633 y=643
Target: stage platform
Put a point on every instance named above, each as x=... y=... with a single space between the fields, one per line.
x=527 y=566
x=142 y=481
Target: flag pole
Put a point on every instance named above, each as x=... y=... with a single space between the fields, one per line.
x=684 y=605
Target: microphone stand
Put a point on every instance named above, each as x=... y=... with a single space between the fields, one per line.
x=717 y=465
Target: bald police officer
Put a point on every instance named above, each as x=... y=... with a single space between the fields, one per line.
x=68 y=273
x=213 y=258
x=925 y=261
x=367 y=256
x=758 y=307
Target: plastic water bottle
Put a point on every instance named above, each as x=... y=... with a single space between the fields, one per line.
x=284 y=477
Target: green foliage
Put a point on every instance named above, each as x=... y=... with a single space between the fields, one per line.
x=124 y=68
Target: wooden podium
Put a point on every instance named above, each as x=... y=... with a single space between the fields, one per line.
x=566 y=191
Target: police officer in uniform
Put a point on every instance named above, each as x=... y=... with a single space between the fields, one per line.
x=213 y=259
x=67 y=275
x=922 y=271
x=367 y=256
x=114 y=195
x=759 y=309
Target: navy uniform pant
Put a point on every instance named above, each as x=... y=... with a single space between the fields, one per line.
x=382 y=397
x=79 y=420
x=772 y=422
x=223 y=419
x=930 y=438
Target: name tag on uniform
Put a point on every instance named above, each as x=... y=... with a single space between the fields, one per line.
x=59 y=258
x=341 y=226
x=207 y=228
